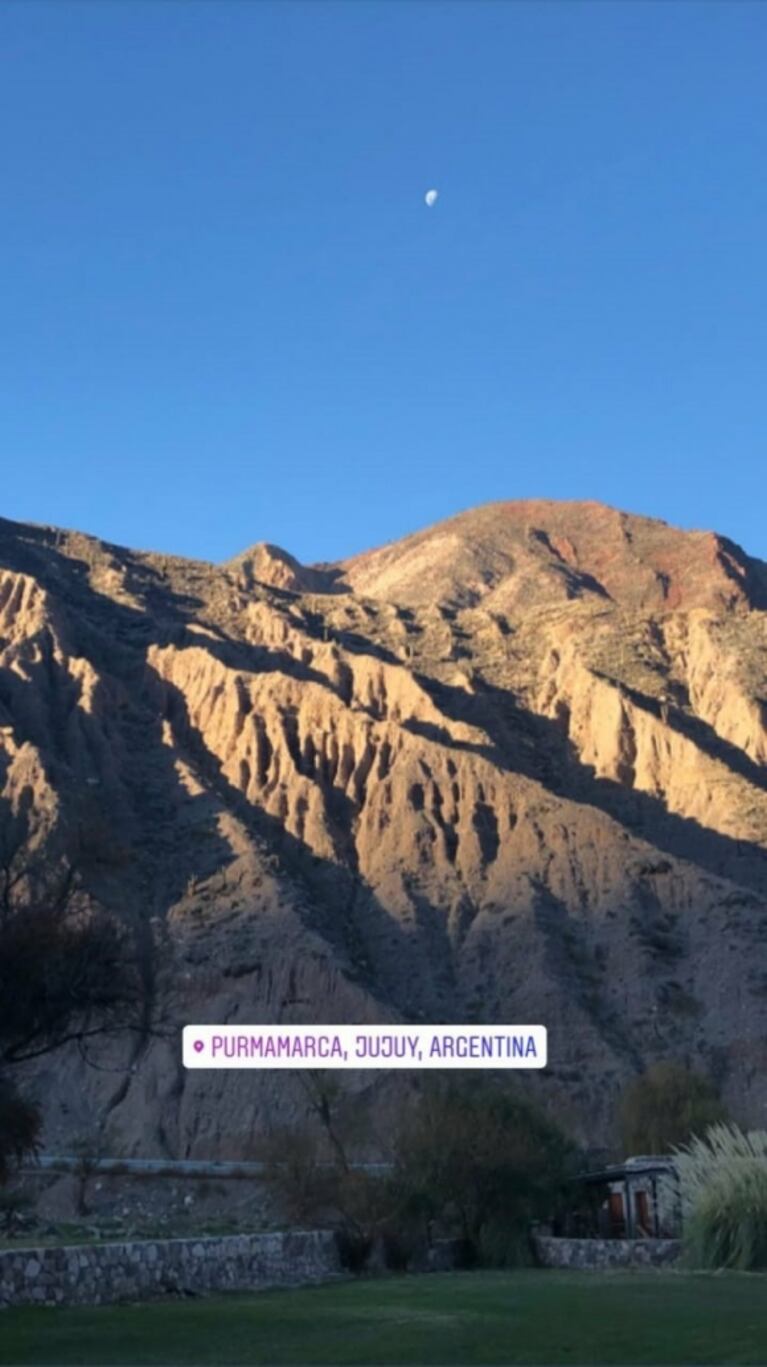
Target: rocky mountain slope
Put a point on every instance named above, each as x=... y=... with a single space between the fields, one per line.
x=511 y=768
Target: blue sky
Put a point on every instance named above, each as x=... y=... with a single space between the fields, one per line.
x=227 y=314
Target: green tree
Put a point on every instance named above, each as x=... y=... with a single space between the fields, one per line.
x=666 y=1106
x=482 y=1159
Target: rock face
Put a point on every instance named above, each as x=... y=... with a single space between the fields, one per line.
x=511 y=768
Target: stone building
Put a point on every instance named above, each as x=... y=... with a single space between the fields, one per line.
x=636 y=1199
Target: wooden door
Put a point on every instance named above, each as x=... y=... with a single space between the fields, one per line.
x=617 y=1215
x=642 y=1214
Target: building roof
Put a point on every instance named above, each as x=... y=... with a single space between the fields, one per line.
x=644 y=1165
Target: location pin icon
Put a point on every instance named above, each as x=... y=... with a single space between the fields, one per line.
x=199 y=1045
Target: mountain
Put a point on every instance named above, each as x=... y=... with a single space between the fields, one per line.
x=512 y=768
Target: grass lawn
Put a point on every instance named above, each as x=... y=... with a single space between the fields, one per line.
x=526 y=1316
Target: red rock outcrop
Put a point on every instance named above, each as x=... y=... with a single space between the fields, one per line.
x=510 y=768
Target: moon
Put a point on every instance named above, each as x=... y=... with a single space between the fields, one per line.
x=431 y=197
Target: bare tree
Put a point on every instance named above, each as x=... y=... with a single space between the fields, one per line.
x=19 y=1127
x=68 y=967
x=70 y=970
x=325 y=1094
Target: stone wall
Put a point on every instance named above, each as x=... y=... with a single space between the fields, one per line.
x=96 y=1274
x=599 y=1254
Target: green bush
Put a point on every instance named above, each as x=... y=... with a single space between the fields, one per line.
x=505 y=1245
x=481 y=1162
x=475 y=1163
x=20 y=1124
x=353 y=1249
x=723 y=1186
x=15 y=1202
x=666 y=1106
